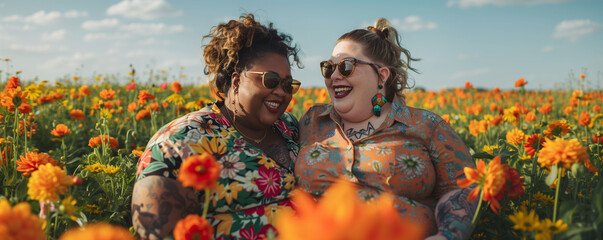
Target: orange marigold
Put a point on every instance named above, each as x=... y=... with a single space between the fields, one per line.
x=47 y=183
x=193 y=227
x=597 y=138
x=77 y=114
x=200 y=171
x=84 y=90
x=154 y=106
x=332 y=218
x=566 y=152
x=468 y=85
x=107 y=94
x=176 y=87
x=45 y=99
x=31 y=161
x=18 y=223
x=584 y=119
x=489 y=180
x=496 y=120
x=533 y=143
x=144 y=96
x=520 y=82
x=557 y=128
x=98 y=231
x=98 y=141
x=13 y=82
x=545 y=108
x=60 y=130
x=132 y=107
x=24 y=108
x=143 y=113
x=515 y=136
x=530 y=117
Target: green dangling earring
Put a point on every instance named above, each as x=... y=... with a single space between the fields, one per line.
x=378 y=101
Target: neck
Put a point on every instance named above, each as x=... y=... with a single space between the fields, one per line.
x=239 y=122
x=356 y=130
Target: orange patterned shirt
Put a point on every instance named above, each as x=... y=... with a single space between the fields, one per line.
x=414 y=156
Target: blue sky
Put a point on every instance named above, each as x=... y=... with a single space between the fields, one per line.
x=490 y=43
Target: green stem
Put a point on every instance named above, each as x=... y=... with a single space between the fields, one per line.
x=206 y=204
x=475 y=215
x=557 y=194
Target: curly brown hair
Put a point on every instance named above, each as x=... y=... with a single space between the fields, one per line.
x=235 y=45
x=382 y=44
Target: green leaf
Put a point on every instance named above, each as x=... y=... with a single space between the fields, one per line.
x=482 y=155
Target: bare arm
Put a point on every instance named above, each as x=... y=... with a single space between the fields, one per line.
x=454 y=214
x=157 y=205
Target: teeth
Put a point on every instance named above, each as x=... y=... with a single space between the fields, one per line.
x=272 y=104
x=342 y=89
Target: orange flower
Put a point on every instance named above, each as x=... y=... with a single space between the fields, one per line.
x=58 y=96
x=31 y=161
x=98 y=231
x=597 y=138
x=107 y=94
x=143 y=96
x=446 y=118
x=176 y=87
x=530 y=117
x=515 y=136
x=597 y=109
x=154 y=106
x=468 y=85
x=200 y=171
x=60 y=130
x=546 y=108
x=25 y=108
x=45 y=99
x=490 y=181
x=520 y=82
x=533 y=143
x=84 y=90
x=582 y=76
x=332 y=218
x=193 y=227
x=47 y=183
x=77 y=114
x=584 y=119
x=19 y=223
x=13 y=82
x=98 y=141
x=477 y=127
x=557 y=128
x=132 y=107
x=308 y=104
x=143 y=113
x=496 y=120
x=566 y=152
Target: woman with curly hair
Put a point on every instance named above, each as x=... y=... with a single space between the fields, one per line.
x=247 y=130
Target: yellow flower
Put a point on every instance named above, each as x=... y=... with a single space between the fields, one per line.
x=92 y=208
x=98 y=231
x=68 y=206
x=546 y=199
x=525 y=221
x=229 y=192
x=110 y=169
x=18 y=222
x=266 y=162
x=566 y=152
x=97 y=167
x=33 y=92
x=490 y=148
x=546 y=225
x=213 y=146
x=175 y=99
x=47 y=183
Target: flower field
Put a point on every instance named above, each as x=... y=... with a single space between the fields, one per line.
x=69 y=152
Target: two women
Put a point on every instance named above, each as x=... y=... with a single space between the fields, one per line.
x=247 y=130
x=370 y=137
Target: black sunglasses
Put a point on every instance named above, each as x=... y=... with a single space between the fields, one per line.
x=271 y=80
x=346 y=67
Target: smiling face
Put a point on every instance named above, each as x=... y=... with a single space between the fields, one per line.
x=257 y=106
x=351 y=96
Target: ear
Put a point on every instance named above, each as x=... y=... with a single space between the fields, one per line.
x=235 y=80
x=384 y=74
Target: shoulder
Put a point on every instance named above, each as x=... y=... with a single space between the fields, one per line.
x=423 y=115
x=316 y=110
x=289 y=119
x=204 y=118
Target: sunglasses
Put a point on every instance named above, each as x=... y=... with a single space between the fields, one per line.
x=346 y=67
x=271 y=80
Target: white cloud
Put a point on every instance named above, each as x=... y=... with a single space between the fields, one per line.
x=547 y=49
x=152 y=28
x=574 y=30
x=469 y=74
x=143 y=9
x=76 y=14
x=149 y=41
x=54 y=36
x=68 y=62
x=105 y=36
x=413 y=23
x=105 y=23
x=30 y=48
x=480 y=3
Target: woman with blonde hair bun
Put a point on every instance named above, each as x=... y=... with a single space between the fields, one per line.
x=247 y=130
x=369 y=136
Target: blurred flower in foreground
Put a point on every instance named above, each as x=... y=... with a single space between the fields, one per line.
x=193 y=227
x=18 y=222
x=200 y=171
x=98 y=231
x=331 y=218
x=47 y=183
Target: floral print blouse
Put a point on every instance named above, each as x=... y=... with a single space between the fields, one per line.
x=414 y=156
x=252 y=188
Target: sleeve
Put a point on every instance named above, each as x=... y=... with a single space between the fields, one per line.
x=449 y=156
x=160 y=159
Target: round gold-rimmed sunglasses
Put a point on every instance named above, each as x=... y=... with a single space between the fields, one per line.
x=271 y=80
x=346 y=67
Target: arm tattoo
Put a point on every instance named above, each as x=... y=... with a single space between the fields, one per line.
x=454 y=214
x=158 y=203
x=358 y=134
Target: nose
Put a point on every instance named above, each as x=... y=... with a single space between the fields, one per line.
x=279 y=90
x=336 y=74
